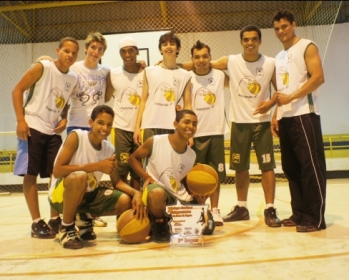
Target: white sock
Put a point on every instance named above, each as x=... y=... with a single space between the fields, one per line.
x=54 y=218
x=242 y=204
x=268 y=205
x=67 y=225
x=36 y=220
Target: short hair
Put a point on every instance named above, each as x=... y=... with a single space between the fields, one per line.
x=250 y=28
x=169 y=36
x=199 y=46
x=95 y=37
x=67 y=39
x=101 y=109
x=283 y=14
x=180 y=114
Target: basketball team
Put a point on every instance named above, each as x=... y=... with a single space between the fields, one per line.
x=166 y=119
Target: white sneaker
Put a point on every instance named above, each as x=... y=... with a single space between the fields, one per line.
x=217 y=217
x=98 y=222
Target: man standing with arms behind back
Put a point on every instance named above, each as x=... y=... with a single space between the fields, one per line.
x=297 y=123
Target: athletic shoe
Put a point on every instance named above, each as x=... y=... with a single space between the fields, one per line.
x=160 y=228
x=55 y=223
x=239 y=213
x=217 y=216
x=42 y=230
x=211 y=225
x=98 y=222
x=69 y=238
x=85 y=226
x=306 y=226
x=270 y=218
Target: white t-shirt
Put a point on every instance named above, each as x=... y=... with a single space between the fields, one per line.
x=128 y=93
x=207 y=95
x=90 y=93
x=291 y=74
x=250 y=84
x=47 y=98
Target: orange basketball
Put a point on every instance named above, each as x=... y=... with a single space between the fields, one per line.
x=202 y=179
x=132 y=230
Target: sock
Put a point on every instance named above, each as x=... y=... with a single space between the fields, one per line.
x=268 y=205
x=54 y=218
x=242 y=204
x=36 y=220
x=67 y=225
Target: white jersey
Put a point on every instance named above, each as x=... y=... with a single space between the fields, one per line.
x=128 y=93
x=207 y=95
x=168 y=167
x=250 y=84
x=85 y=154
x=166 y=88
x=89 y=93
x=47 y=98
x=291 y=74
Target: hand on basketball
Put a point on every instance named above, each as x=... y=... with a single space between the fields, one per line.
x=200 y=199
x=23 y=130
x=139 y=209
x=107 y=165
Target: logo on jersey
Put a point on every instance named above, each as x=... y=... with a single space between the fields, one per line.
x=248 y=86
x=202 y=98
x=285 y=78
x=168 y=176
x=132 y=96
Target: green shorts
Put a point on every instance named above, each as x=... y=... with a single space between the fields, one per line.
x=124 y=147
x=245 y=134
x=210 y=150
x=171 y=199
x=99 y=202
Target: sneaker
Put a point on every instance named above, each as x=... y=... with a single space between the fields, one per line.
x=69 y=238
x=42 y=230
x=98 y=222
x=85 y=226
x=55 y=223
x=217 y=216
x=211 y=225
x=270 y=218
x=306 y=226
x=239 y=213
x=160 y=228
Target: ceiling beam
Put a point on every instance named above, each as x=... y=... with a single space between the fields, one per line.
x=44 y=5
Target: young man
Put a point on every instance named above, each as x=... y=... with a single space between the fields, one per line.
x=168 y=159
x=38 y=127
x=251 y=74
x=207 y=93
x=79 y=166
x=297 y=123
x=127 y=81
x=164 y=86
x=93 y=89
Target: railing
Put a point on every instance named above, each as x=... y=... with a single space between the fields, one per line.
x=334 y=145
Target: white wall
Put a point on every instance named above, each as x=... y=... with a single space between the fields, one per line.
x=334 y=94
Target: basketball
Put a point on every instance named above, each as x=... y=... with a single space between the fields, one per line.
x=202 y=179
x=132 y=230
